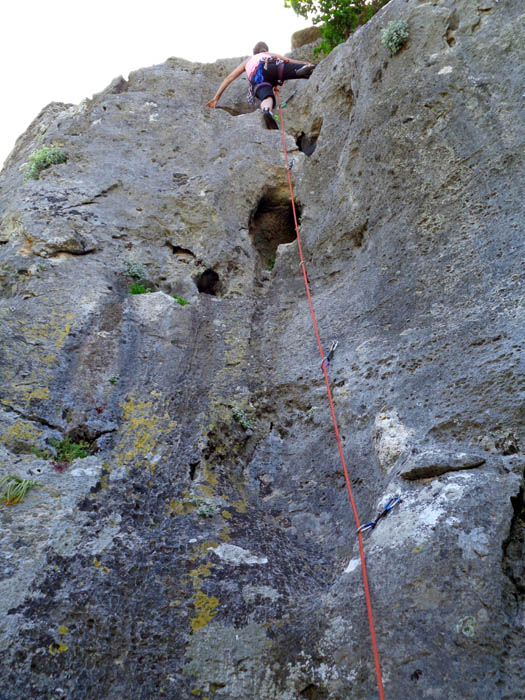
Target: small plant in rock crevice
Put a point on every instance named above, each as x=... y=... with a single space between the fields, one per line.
x=309 y=414
x=68 y=450
x=42 y=158
x=395 y=36
x=136 y=270
x=138 y=288
x=204 y=507
x=241 y=417
x=207 y=510
x=180 y=300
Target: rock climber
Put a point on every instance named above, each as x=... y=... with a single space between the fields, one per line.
x=265 y=70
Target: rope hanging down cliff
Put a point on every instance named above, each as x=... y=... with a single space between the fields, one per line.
x=334 y=420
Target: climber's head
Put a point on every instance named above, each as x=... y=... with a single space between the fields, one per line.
x=259 y=47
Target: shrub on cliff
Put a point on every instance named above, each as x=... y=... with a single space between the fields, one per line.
x=339 y=18
x=42 y=158
x=395 y=36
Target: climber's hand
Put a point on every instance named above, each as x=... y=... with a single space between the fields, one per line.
x=212 y=103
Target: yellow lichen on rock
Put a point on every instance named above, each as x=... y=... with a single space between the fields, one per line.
x=205 y=610
x=200 y=572
x=22 y=435
x=141 y=432
x=224 y=534
x=50 y=328
x=206 y=490
x=240 y=506
x=177 y=507
x=205 y=606
x=55 y=649
x=209 y=475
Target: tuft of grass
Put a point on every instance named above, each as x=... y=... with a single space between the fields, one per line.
x=270 y=265
x=395 y=36
x=13 y=489
x=114 y=379
x=42 y=158
x=138 y=288
x=180 y=300
x=68 y=450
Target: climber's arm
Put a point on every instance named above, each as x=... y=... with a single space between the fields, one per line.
x=229 y=79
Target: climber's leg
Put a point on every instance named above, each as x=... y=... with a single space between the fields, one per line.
x=268 y=104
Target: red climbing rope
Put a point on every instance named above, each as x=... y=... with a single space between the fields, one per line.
x=334 y=419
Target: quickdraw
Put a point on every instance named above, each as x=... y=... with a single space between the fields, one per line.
x=326 y=360
x=391 y=503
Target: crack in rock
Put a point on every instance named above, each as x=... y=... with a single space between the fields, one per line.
x=434 y=463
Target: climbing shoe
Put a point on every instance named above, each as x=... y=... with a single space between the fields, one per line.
x=305 y=71
x=269 y=119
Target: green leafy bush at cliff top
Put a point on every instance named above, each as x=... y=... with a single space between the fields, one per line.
x=339 y=18
x=42 y=158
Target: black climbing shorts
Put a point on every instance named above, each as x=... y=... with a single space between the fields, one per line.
x=264 y=91
x=271 y=75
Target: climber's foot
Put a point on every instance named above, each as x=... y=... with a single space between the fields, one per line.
x=305 y=71
x=269 y=119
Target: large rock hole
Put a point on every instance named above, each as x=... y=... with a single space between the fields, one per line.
x=208 y=283
x=272 y=223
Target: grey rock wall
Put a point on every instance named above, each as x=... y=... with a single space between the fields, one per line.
x=206 y=548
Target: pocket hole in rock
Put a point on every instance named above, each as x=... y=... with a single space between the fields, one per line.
x=193 y=469
x=208 y=283
x=307 y=143
x=272 y=223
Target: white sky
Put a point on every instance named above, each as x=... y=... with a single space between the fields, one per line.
x=66 y=50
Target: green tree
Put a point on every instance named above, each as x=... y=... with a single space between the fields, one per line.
x=338 y=18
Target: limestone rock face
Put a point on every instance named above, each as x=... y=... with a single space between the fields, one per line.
x=206 y=547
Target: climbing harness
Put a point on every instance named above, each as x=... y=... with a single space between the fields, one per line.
x=326 y=360
x=258 y=79
x=334 y=419
x=391 y=503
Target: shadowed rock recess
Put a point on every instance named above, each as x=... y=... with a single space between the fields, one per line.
x=205 y=548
